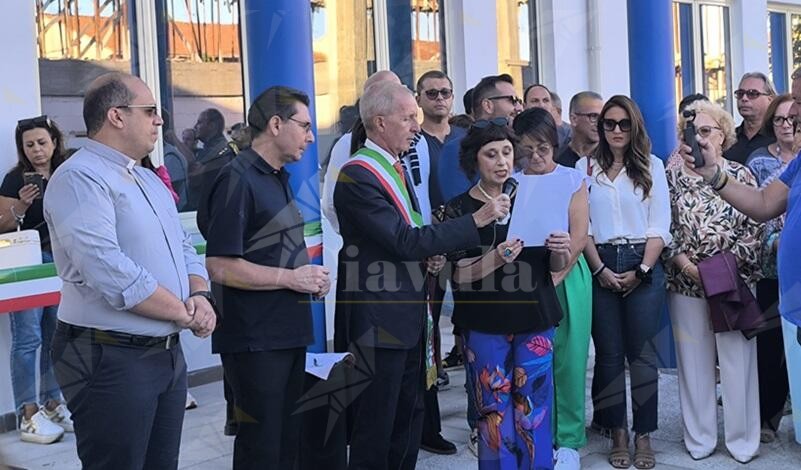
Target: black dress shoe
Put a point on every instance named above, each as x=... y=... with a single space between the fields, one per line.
x=439 y=445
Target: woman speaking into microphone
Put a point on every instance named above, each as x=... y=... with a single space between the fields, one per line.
x=506 y=308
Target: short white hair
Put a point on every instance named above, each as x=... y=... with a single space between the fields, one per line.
x=380 y=99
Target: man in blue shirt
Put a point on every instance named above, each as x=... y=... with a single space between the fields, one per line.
x=131 y=282
x=493 y=97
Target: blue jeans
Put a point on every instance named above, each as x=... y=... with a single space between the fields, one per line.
x=31 y=329
x=624 y=328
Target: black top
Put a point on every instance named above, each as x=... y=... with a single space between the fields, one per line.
x=34 y=216
x=744 y=146
x=518 y=297
x=567 y=156
x=252 y=215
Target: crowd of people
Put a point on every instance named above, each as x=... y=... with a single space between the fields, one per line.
x=423 y=210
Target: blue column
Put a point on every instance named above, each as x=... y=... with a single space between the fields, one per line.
x=778 y=51
x=652 y=74
x=399 y=29
x=279 y=52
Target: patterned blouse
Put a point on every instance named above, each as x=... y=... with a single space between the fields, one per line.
x=703 y=224
x=766 y=168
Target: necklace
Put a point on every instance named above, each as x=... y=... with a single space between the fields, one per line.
x=489 y=198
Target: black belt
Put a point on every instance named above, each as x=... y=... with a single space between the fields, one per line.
x=117 y=338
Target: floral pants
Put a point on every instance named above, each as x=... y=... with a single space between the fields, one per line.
x=512 y=378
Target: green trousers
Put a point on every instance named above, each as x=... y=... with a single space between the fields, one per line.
x=570 y=349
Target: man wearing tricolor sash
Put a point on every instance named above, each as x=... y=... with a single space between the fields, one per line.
x=381 y=312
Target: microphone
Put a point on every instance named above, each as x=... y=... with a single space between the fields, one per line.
x=509 y=187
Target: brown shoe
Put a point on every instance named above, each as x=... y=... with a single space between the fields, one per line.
x=643 y=454
x=619 y=456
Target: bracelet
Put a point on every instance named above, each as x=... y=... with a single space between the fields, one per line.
x=716 y=177
x=721 y=184
x=599 y=270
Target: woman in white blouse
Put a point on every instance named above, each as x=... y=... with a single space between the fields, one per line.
x=629 y=227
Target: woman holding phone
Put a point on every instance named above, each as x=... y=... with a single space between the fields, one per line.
x=40 y=150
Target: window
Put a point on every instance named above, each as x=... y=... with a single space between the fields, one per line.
x=702 y=50
x=427 y=48
x=784 y=44
x=201 y=90
x=517 y=50
x=78 y=41
x=344 y=56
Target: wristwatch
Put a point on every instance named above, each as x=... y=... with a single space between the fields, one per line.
x=643 y=273
x=206 y=295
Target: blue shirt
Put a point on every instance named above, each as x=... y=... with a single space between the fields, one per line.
x=452 y=180
x=790 y=247
x=116 y=237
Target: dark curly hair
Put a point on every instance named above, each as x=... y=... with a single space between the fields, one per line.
x=475 y=139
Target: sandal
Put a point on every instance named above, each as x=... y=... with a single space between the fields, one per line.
x=643 y=453
x=619 y=456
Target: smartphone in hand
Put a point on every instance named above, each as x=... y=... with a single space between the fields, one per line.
x=34 y=179
x=690 y=140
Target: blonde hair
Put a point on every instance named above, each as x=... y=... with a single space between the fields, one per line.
x=718 y=114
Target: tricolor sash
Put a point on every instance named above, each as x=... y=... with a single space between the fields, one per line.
x=390 y=180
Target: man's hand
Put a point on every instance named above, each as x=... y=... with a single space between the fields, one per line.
x=608 y=280
x=495 y=209
x=201 y=314
x=311 y=279
x=708 y=151
x=434 y=264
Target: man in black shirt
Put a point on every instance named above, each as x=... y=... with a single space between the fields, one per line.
x=257 y=260
x=585 y=107
x=753 y=97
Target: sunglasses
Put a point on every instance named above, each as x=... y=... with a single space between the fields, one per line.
x=610 y=124
x=514 y=99
x=592 y=117
x=33 y=123
x=485 y=123
x=752 y=94
x=151 y=110
x=780 y=120
x=432 y=94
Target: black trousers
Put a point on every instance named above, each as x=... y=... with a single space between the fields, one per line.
x=127 y=403
x=388 y=415
x=267 y=386
x=774 y=385
x=432 y=422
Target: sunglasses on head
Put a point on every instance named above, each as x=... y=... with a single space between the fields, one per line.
x=752 y=94
x=610 y=124
x=485 y=123
x=433 y=93
x=33 y=123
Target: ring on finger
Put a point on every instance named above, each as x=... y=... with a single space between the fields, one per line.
x=507 y=252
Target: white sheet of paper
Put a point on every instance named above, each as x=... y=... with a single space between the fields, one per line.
x=541 y=207
x=320 y=364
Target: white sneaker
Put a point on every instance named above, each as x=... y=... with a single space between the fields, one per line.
x=472 y=442
x=40 y=430
x=567 y=459
x=60 y=416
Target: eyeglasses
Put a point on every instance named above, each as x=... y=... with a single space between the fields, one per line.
x=485 y=123
x=592 y=117
x=514 y=99
x=33 y=123
x=433 y=93
x=705 y=131
x=306 y=125
x=543 y=149
x=150 y=109
x=752 y=94
x=780 y=120
x=623 y=124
